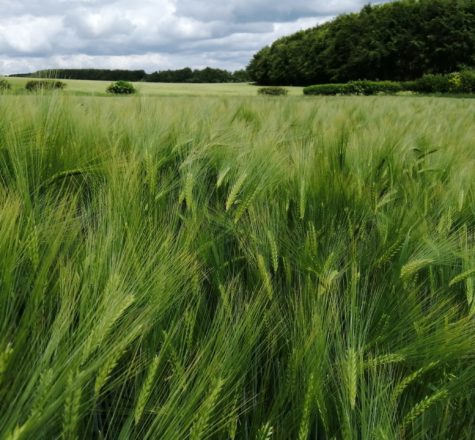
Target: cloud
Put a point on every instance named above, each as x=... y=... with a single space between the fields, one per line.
x=150 y=34
x=29 y=35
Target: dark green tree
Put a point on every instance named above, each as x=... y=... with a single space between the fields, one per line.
x=402 y=40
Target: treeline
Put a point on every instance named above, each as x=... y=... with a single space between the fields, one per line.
x=88 y=74
x=186 y=75
x=396 y=41
x=207 y=75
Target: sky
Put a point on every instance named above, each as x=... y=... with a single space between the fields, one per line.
x=151 y=34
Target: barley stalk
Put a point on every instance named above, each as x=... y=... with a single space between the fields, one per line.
x=351 y=376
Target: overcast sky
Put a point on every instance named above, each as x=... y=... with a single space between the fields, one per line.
x=150 y=34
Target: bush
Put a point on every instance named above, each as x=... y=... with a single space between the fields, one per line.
x=4 y=85
x=121 y=88
x=273 y=91
x=467 y=81
x=456 y=82
x=374 y=87
x=355 y=88
x=408 y=86
x=35 y=85
x=327 y=89
x=431 y=83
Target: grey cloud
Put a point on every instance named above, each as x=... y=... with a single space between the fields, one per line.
x=266 y=10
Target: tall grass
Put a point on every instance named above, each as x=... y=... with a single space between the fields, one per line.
x=237 y=268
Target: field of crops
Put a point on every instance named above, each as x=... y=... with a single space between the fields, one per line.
x=98 y=88
x=237 y=268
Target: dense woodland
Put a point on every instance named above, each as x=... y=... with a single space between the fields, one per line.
x=186 y=75
x=396 y=41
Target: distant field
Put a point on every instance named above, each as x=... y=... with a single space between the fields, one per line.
x=163 y=89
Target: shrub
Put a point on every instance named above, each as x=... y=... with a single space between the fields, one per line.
x=4 y=85
x=35 y=85
x=374 y=87
x=273 y=91
x=327 y=89
x=456 y=82
x=408 y=86
x=121 y=88
x=467 y=81
x=432 y=83
x=355 y=88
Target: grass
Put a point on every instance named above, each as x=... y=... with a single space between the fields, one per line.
x=98 y=88
x=237 y=268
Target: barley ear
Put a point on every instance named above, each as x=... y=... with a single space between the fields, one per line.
x=235 y=191
x=462 y=276
x=4 y=358
x=265 y=432
x=71 y=408
x=421 y=407
x=274 y=251
x=266 y=279
x=146 y=390
x=305 y=421
x=399 y=389
x=198 y=430
x=414 y=266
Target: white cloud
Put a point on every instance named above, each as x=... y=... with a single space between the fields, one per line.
x=28 y=34
x=150 y=34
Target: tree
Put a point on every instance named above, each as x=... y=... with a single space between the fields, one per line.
x=396 y=41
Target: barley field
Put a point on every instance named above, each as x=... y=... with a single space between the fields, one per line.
x=98 y=88
x=237 y=268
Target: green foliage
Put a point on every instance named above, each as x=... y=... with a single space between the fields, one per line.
x=398 y=41
x=329 y=89
x=4 y=85
x=467 y=81
x=376 y=87
x=241 y=76
x=458 y=82
x=272 y=91
x=121 y=88
x=206 y=268
x=355 y=88
x=432 y=83
x=38 y=85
